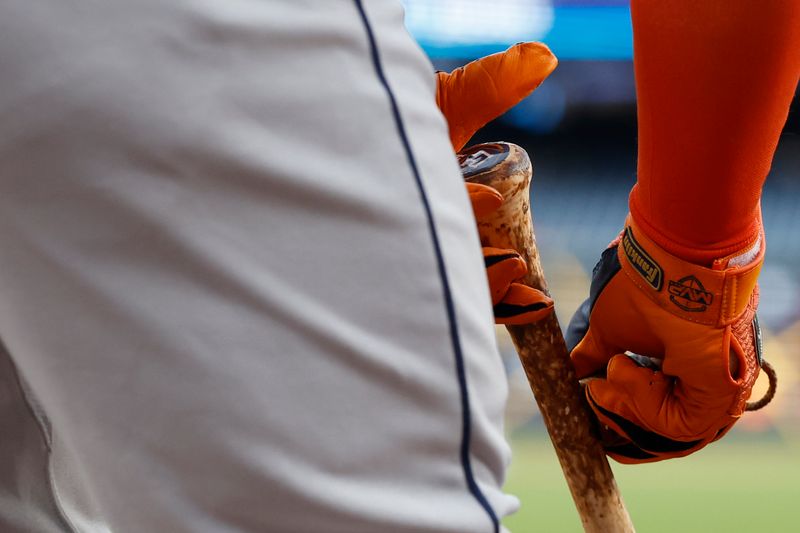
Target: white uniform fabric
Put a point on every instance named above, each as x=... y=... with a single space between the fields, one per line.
x=219 y=290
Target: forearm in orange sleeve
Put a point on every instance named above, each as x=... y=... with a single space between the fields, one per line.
x=714 y=80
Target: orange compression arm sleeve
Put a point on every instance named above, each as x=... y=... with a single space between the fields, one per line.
x=714 y=80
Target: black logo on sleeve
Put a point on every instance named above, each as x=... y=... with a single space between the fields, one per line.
x=689 y=294
x=641 y=261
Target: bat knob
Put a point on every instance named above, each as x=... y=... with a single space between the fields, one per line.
x=482 y=157
x=504 y=166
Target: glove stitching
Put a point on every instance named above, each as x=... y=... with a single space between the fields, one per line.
x=730 y=299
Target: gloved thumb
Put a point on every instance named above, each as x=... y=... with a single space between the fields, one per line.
x=484 y=89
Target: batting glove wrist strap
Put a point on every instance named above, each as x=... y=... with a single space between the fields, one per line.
x=713 y=296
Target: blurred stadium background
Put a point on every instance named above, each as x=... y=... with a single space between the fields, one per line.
x=580 y=129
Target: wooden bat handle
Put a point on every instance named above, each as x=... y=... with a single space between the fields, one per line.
x=541 y=347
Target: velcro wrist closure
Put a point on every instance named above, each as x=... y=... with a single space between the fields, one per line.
x=699 y=294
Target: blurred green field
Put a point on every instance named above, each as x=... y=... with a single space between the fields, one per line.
x=734 y=486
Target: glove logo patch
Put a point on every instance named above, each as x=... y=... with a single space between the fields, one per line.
x=690 y=295
x=641 y=261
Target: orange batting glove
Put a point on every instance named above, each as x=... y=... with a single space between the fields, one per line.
x=514 y=303
x=469 y=97
x=671 y=349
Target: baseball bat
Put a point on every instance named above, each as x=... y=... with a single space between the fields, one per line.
x=541 y=347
